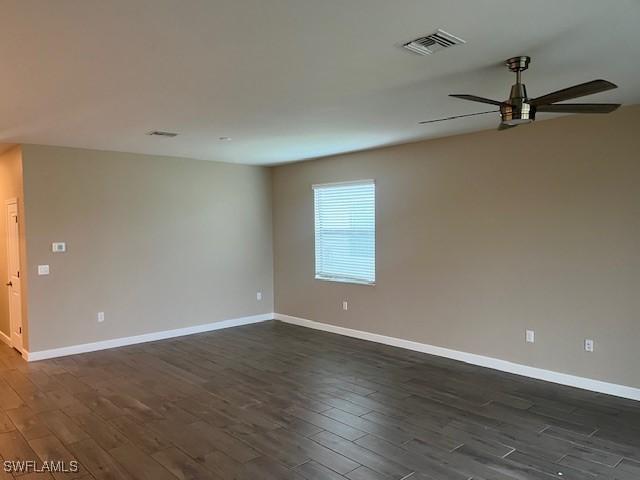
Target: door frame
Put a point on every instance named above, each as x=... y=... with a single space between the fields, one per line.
x=12 y=319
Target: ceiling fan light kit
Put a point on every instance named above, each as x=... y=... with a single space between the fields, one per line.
x=519 y=109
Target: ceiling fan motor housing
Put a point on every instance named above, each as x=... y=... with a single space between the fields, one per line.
x=517 y=114
x=517 y=110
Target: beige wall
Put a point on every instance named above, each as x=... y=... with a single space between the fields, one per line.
x=10 y=187
x=156 y=243
x=481 y=236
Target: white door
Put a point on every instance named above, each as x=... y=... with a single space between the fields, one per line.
x=13 y=267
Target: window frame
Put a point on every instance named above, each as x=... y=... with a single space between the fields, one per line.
x=345 y=279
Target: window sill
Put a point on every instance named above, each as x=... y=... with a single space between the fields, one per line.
x=345 y=280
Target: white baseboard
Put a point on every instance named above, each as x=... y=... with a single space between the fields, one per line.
x=4 y=338
x=489 y=362
x=147 y=337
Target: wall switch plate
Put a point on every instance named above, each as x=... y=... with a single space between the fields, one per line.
x=588 y=345
x=530 y=336
x=58 y=247
x=259 y=296
x=345 y=305
x=100 y=317
x=43 y=269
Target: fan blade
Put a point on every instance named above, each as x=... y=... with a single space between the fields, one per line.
x=474 y=98
x=588 y=88
x=504 y=126
x=457 y=116
x=579 y=108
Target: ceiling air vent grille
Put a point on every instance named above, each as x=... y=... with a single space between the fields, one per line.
x=160 y=133
x=433 y=43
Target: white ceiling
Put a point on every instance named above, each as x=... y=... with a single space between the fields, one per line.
x=288 y=79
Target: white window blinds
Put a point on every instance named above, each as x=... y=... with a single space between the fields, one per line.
x=345 y=231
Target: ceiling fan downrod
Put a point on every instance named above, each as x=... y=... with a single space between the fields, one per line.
x=517 y=110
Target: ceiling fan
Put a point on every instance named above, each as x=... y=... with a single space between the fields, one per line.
x=519 y=109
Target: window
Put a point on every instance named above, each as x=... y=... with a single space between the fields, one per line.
x=345 y=225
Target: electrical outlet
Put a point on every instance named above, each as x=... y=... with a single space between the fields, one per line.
x=259 y=296
x=100 y=317
x=43 y=269
x=530 y=336
x=345 y=305
x=588 y=345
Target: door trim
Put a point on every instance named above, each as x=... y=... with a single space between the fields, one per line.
x=8 y=339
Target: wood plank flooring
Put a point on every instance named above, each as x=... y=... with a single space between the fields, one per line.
x=275 y=401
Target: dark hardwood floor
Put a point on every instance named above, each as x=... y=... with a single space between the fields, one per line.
x=274 y=401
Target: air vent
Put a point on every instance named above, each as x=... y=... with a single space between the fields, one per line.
x=433 y=43
x=160 y=133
